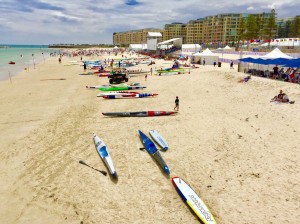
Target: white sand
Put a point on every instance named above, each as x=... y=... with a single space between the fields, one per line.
x=237 y=150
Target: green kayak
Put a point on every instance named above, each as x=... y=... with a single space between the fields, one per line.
x=171 y=70
x=118 y=88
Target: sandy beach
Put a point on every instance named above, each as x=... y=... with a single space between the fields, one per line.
x=237 y=150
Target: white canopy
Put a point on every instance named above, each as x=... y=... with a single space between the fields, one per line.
x=154 y=34
x=137 y=46
x=285 y=42
x=190 y=48
x=227 y=47
x=171 y=41
x=281 y=44
x=276 y=53
x=206 y=55
x=206 y=52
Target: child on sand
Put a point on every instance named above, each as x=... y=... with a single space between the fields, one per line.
x=246 y=79
x=176 y=103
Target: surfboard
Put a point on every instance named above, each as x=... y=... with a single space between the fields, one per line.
x=159 y=140
x=193 y=200
x=101 y=149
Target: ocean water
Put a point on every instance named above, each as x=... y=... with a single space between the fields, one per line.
x=24 y=56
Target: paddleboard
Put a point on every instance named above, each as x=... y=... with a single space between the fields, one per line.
x=101 y=149
x=193 y=200
x=159 y=140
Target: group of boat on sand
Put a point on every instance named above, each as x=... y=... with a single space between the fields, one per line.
x=124 y=91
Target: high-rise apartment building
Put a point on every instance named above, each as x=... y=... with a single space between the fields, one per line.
x=133 y=36
x=174 y=30
x=217 y=29
x=194 y=31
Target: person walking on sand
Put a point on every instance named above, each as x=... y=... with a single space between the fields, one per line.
x=84 y=66
x=231 y=64
x=204 y=62
x=176 y=104
x=146 y=77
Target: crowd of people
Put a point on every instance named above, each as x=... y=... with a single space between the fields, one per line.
x=284 y=74
x=288 y=75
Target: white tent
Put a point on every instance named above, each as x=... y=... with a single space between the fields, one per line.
x=276 y=53
x=283 y=42
x=165 y=47
x=228 y=49
x=209 y=57
x=177 y=42
x=190 y=48
x=154 y=34
x=137 y=47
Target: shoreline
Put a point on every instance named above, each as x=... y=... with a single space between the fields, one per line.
x=24 y=58
x=237 y=150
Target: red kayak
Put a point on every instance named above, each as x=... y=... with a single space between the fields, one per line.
x=102 y=71
x=139 y=114
x=11 y=62
x=103 y=74
x=129 y=95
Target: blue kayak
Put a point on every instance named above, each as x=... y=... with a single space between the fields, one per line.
x=152 y=150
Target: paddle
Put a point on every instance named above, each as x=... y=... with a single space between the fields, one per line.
x=52 y=79
x=83 y=163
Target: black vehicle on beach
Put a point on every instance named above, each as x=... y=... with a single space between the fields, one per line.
x=117 y=77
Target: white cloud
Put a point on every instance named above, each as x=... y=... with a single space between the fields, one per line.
x=94 y=21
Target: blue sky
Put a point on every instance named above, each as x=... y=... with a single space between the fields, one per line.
x=94 y=21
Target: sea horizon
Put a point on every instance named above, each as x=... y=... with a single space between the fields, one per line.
x=24 y=45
